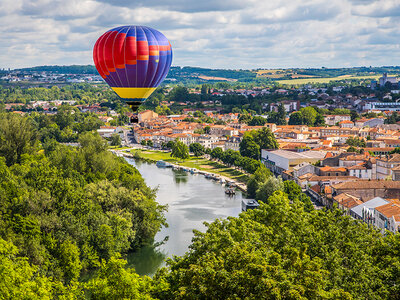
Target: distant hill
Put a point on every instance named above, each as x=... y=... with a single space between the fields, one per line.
x=198 y=75
x=74 y=69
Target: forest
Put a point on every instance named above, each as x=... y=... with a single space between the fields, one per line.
x=66 y=211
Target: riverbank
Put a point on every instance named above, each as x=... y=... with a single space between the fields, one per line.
x=201 y=164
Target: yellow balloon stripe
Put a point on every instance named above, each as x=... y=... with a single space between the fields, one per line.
x=132 y=93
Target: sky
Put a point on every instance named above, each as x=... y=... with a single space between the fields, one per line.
x=228 y=34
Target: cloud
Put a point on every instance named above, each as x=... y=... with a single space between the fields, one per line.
x=234 y=34
x=378 y=9
x=182 y=5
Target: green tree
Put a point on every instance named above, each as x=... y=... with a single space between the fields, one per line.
x=180 y=150
x=114 y=281
x=257 y=121
x=309 y=115
x=69 y=260
x=197 y=149
x=217 y=153
x=265 y=139
x=248 y=147
x=356 y=142
x=319 y=120
x=296 y=118
x=292 y=189
x=115 y=139
x=259 y=176
x=268 y=187
x=281 y=114
x=17 y=136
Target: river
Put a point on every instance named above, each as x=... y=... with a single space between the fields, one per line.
x=191 y=200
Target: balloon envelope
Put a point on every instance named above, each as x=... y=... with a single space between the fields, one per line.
x=133 y=60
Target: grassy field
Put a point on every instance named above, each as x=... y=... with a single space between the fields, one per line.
x=325 y=80
x=194 y=162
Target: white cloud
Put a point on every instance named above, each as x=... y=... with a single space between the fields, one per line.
x=234 y=34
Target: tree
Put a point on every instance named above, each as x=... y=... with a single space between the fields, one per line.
x=268 y=187
x=114 y=281
x=356 y=142
x=319 y=120
x=296 y=118
x=279 y=118
x=309 y=115
x=259 y=176
x=292 y=189
x=17 y=136
x=115 y=139
x=197 y=149
x=180 y=150
x=281 y=114
x=170 y=144
x=248 y=147
x=217 y=153
x=265 y=139
x=354 y=115
x=257 y=121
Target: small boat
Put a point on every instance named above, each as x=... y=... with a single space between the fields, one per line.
x=193 y=171
x=249 y=204
x=162 y=164
x=230 y=184
x=230 y=191
x=222 y=180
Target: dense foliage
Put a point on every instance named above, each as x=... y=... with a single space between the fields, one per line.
x=81 y=93
x=67 y=208
x=256 y=140
x=307 y=116
x=284 y=251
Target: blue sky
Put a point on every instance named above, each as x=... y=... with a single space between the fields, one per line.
x=218 y=34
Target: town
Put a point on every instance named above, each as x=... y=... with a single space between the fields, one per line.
x=341 y=148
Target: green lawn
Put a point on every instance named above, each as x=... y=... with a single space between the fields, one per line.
x=194 y=162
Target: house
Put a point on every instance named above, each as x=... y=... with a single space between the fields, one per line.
x=384 y=165
x=360 y=171
x=368 y=189
x=346 y=124
x=365 y=211
x=387 y=217
x=396 y=173
x=332 y=120
x=232 y=143
x=352 y=160
x=147 y=115
x=346 y=202
x=333 y=171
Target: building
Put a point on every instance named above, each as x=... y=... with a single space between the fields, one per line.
x=282 y=160
x=385 y=78
x=368 y=189
x=384 y=165
x=232 y=143
x=387 y=217
x=332 y=120
x=147 y=115
x=382 y=106
x=374 y=122
x=366 y=210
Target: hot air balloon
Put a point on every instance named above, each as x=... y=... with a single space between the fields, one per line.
x=133 y=60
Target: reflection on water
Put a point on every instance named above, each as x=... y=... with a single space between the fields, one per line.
x=191 y=200
x=180 y=176
x=146 y=260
